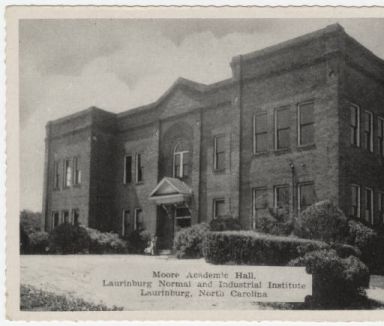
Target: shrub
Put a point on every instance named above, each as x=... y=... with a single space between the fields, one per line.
x=69 y=239
x=38 y=243
x=336 y=282
x=105 y=242
x=224 y=223
x=138 y=240
x=31 y=221
x=250 y=248
x=32 y=299
x=369 y=243
x=275 y=223
x=322 y=221
x=344 y=250
x=24 y=240
x=188 y=242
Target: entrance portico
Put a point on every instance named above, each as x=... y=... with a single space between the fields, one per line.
x=173 y=198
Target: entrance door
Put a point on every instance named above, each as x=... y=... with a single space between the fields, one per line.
x=165 y=227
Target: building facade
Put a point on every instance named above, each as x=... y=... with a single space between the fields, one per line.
x=297 y=123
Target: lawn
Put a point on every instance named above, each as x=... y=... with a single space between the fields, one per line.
x=80 y=281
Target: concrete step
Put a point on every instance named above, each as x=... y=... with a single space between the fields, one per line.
x=165 y=252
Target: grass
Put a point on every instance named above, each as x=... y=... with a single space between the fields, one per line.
x=32 y=299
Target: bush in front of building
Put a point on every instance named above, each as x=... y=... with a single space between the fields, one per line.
x=322 y=221
x=188 y=242
x=38 y=243
x=275 y=223
x=369 y=243
x=336 y=282
x=69 y=239
x=138 y=240
x=225 y=223
x=105 y=242
x=251 y=248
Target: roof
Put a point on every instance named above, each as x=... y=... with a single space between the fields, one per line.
x=176 y=185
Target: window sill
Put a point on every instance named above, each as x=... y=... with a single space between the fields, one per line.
x=139 y=183
x=258 y=154
x=221 y=171
x=282 y=151
x=306 y=147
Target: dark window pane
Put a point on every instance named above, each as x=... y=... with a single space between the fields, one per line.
x=282 y=197
x=220 y=161
x=283 y=138
x=260 y=198
x=354 y=113
x=261 y=142
x=283 y=118
x=182 y=212
x=183 y=222
x=128 y=169
x=219 y=208
x=261 y=123
x=307 y=134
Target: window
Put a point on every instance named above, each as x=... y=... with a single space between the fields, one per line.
x=182 y=217
x=125 y=225
x=218 y=208
x=76 y=171
x=65 y=217
x=138 y=222
x=368 y=205
x=368 y=131
x=75 y=216
x=139 y=168
x=180 y=161
x=260 y=128
x=355 y=201
x=56 y=175
x=67 y=173
x=281 y=197
x=355 y=125
x=219 y=158
x=306 y=195
x=127 y=169
x=381 y=207
x=260 y=204
x=306 y=123
x=380 y=136
x=282 y=128
x=55 y=219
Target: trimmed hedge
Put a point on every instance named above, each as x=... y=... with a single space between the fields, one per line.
x=225 y=223
x=69 y=239
x=38 y=243
x=105 y=242
x=188 y=242
x=322 y=221
x=336 y=282
x=251 y=248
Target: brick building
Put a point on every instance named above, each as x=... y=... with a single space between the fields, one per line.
x=298 y=122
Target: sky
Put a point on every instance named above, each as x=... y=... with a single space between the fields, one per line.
x=116 y=65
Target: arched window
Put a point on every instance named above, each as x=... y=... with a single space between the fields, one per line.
x=181 y=161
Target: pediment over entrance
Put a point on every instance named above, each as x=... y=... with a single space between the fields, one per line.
x=170 y=191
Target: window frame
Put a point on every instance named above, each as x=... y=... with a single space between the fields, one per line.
x=370 y=138
x=254 y=210
x=380 y=205
x=255 y=134
x=72 y=218
x=358 y=207
x=123 y=221
x=380 y=138
x=135 y=225
x=181 y=162
x=214 y=208
x=216 y=153
x=139 y=167
x=371 y=217
x=299 y=185
x=67 y=184
x=275 y=188
x=357 y=127
x=53 y=213
x=125 y=174
x=63 y=213
x=76 y=171
x=56 y=175
x=300 y=125
x=276 y=129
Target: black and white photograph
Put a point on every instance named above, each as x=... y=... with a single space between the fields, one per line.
x=199 y=163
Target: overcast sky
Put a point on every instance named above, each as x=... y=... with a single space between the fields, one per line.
x=70 y=65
